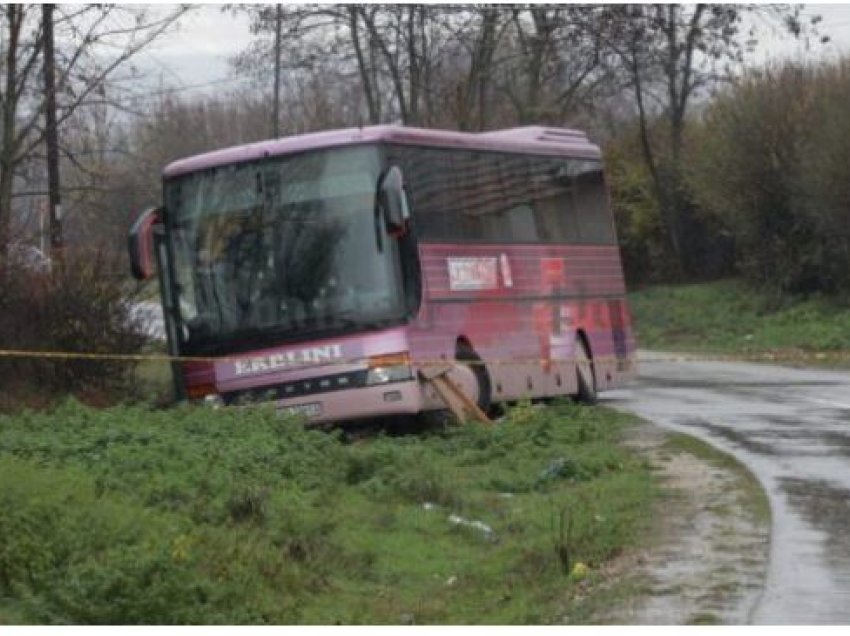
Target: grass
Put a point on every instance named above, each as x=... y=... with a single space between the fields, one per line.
x=729 y=317
x=152 y=378
x=704 y=618
x=186 y=515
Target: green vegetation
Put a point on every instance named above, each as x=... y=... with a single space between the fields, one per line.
x=79 y=308
x=704 y=618
x=187 y=515
x=771 y=164
x=758 y=189
x=153 y=381
x=729 y=317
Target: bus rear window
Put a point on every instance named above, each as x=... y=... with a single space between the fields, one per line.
x=506 y=198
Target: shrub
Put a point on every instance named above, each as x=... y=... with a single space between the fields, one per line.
x=77 y=308
x=774 y=166
x=188 y=515
x=707 y=249
x=644 y=248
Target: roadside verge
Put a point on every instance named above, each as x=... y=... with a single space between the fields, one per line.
x=707 y=560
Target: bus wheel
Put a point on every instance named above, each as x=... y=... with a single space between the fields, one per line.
x=585 y=373
x=476 y=365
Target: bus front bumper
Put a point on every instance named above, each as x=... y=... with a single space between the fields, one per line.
x=396 y=398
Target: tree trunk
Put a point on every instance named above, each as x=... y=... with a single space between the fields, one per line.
x=8 y=149
x=51 y=136
x=413 y=66
x=539 y=42
x=660 y=184
x=5 y=210
x=392 y=65
x=368 y=89
x=486 y=49
x=278 y=21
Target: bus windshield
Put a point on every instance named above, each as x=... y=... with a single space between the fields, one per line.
x=282 y=246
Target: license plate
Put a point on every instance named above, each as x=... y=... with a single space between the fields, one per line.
x=313 y=409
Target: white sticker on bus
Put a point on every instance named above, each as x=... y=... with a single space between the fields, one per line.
x=507 y=278
x=473 y=273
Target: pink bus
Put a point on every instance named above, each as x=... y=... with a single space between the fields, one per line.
x=322 y=272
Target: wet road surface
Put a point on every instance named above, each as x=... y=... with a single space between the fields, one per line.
x=791 y=428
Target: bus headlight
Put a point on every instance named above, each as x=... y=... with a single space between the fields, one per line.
x=213 y=401
x=394 y=367
x=205 y=394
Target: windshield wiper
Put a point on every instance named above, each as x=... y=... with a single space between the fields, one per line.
x=345 y=319
x=349 y=319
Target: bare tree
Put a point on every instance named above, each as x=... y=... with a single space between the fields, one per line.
x=553 y=61
x=670 y=55
x=92 y=43
x=462 y=69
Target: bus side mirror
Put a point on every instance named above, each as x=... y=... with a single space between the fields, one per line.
x=140 y=243
x=393 y=202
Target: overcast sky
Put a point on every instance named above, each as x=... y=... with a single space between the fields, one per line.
x=197 y=52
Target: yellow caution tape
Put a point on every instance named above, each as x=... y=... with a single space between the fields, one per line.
x=772 y=356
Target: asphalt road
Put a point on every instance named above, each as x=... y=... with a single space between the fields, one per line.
x=791 y=427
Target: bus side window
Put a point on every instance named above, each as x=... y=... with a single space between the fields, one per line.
x=519 y=221
x=499 y=198
x=556 y=216
x=595 y=222
x=430 y=189
x=460 y=195
x=555 y=205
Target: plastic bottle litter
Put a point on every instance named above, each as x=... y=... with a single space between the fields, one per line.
x=457 y=520
x=560 y=468
x=482 y=527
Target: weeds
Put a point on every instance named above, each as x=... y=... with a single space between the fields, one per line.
x=77 y=308
x=728 y=316
x=131 y=515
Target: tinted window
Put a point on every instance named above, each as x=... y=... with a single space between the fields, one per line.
x=281 y=245
x=458 y=195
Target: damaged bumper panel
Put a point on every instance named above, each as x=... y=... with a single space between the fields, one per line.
x=392 y=398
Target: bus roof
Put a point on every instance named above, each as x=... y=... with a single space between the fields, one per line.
x=536 y=140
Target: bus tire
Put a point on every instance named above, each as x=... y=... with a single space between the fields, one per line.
x=476 y=365
x=585 y=373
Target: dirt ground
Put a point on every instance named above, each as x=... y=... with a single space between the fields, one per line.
x=708 y=560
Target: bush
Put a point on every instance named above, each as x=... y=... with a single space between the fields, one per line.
x=76 y=309
x=188 y=515
x=774 y=166
x=707 y=249
x=71 y=556
x=644 y=248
